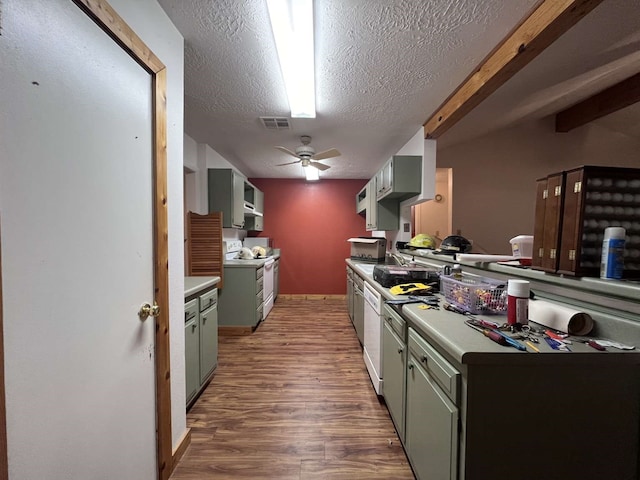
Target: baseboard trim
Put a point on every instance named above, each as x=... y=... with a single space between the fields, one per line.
x=309 y=296
x=184 y=442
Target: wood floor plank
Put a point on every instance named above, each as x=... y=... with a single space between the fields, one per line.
x=293 y=401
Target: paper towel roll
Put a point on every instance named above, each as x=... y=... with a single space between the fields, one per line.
x=557 y=317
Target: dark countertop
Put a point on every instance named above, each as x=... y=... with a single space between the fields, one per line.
x=451 y=336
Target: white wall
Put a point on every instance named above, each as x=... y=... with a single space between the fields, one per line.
x=198 y=157
x=494 y=177
x=151 y=24
x=417 y=145
x=148 y=20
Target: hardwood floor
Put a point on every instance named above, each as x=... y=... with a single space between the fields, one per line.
x=293 y=401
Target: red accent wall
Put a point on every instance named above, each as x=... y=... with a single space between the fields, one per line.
x=310 y=222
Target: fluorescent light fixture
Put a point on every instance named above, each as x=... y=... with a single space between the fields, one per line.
x=292 y=25
x=312 y=174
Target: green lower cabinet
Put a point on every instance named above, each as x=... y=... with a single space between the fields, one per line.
x=200 y=341
x=431 y=436
x=394 y=359
x=192 y=360
x=208 y=342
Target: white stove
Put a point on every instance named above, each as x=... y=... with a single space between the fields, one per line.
x=232 y=249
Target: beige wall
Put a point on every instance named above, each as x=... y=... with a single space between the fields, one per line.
x=494 y=176
x=434 y=216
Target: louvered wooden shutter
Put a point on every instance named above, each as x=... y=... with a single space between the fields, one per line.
x=205 y=245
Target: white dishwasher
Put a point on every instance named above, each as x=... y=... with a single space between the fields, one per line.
x=267 y=287
x=372 y=352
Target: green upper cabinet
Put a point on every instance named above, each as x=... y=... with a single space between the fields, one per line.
x=379 y=201
x=226 y=195
x=400 y=178
x=254 y=203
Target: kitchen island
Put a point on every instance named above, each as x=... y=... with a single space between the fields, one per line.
x=467 y=408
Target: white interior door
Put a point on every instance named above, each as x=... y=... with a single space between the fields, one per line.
x=76 y=210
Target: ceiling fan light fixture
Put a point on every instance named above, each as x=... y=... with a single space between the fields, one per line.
x=292 y=26
x=311 y=174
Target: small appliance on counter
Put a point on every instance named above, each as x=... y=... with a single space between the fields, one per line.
x=391 y=275
x=368 y=249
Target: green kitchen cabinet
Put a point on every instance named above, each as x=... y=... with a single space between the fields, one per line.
x=254 y=218
x=200 y=340
x=379 y=201
x=394 y=361
x=384 y=215
x=276 y=279
x=226 y=195
x=241 y=300
x=208 y=342
x=400 y=178
x=431 y=434
x=192 y=348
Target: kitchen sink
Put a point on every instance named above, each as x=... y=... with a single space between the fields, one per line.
x=366 y=268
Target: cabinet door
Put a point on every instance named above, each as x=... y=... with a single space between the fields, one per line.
x=431 y=427
x=276 y=279
x=192 y=357
x=358 y=313
x=372 y=205
x=569 y=254
x=208 y=342
x=394 y=354
x=237 y=211
x=350 y=297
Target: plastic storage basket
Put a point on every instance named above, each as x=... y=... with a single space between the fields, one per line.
x=475 y=294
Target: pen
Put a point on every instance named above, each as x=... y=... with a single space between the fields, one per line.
x=532 y=347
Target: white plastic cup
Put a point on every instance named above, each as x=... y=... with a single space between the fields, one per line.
x=522 y=248
x=612 y=261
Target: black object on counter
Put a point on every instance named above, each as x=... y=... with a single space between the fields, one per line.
x=390 y=275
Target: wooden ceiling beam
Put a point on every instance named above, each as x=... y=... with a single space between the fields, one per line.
x=548 y=21
x=614 y=98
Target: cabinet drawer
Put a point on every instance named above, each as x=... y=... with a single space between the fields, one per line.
x=395 y=321
x=259 y=272
x=259 y=284
x=190 y=310
x=434 y=363
x=260 y=313
x=259 y=297
x=208 y=299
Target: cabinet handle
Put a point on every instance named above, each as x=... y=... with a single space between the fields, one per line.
x=411 y=366
x=204 y=319
x=193 y=327
x=400 y=350
x=424 y=359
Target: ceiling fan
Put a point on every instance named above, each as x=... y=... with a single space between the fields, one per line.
x=308 y=156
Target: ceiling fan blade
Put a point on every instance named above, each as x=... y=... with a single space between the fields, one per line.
x=287 y=151
x=319 y=166
x=290 y=163
x=332 y=152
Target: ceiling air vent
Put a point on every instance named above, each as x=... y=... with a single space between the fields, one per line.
x=275 y=123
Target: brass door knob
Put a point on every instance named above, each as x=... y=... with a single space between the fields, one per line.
x=147 y=310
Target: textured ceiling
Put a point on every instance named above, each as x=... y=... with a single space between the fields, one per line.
x=382 y=67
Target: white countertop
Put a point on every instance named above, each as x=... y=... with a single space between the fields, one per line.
x=195 y=284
